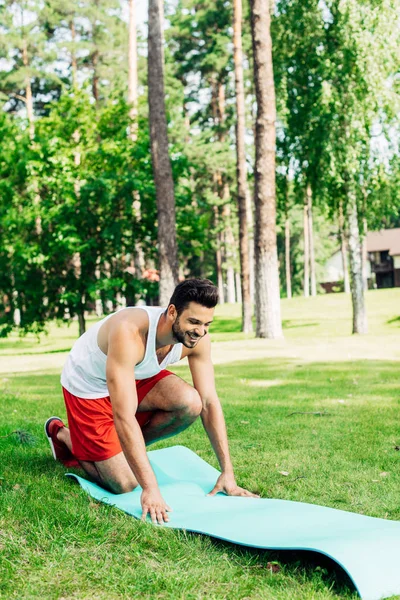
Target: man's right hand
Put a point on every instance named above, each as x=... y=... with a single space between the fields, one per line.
x=154 y=505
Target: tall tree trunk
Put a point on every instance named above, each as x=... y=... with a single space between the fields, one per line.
x=139 y=261
x=218 y=258
x=357 y=286
x=241 y=171
x=95 y=79
x=311 y=242
x=229 y=247
x=306 y=240
x=74 y=65
x=221 y=110
x=98 y=302
x=343 y=249
x=81 y=321
x=230 y=282
x=364 y=254
x=287 y=257
x=132 y=71
x=28 y=92
x=31 y=122
x=250 y=222
x=288 y=270
x=220 y=279
x=164 y=184
x=77 y=259
x=139 y=258
x=238 y=286
x=268 y=314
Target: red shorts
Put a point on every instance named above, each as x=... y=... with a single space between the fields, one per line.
x=91 y=424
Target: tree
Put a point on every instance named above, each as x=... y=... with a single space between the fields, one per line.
x=241 y=169
x=360 y=64
x=161 y=162
x=200 y=42
x=26 y=80
x=132 y=70
x=267 y=276
x=299 y=35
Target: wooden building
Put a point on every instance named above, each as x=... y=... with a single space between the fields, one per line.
x=384 y=255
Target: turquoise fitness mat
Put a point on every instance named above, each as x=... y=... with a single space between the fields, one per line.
x=368 y=549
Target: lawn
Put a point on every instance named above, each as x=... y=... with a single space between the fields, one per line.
x=57 y=543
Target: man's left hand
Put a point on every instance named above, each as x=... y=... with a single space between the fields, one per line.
x=227 y=485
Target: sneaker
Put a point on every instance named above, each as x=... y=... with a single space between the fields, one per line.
x=59 y=450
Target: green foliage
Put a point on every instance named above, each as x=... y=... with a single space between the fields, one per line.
x=68 y=228
x=335 y=71
x=27 y=55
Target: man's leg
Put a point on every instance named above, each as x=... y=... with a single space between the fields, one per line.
x=174 y=404
x=113 y=473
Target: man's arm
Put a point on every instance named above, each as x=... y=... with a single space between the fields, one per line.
x=212 y=417
x=123 y=354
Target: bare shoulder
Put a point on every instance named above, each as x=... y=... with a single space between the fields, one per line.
x=124 y=327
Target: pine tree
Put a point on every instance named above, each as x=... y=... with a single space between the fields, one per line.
x=160 y=157
x=267 y=276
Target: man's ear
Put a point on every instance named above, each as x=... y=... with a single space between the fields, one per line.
x=172 y=312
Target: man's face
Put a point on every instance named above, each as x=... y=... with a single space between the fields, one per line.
x=192 y=324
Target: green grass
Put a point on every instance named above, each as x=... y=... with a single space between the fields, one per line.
x=57 y=543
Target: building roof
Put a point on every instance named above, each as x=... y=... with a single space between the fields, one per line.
x=386 y=239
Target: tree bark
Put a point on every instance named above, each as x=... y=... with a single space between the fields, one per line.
x=81 y=322
x=74 y=65
x=218 y=258
x=132 y=71
x=229 y=248
x=267 y=275
x=288 y=270
x=238 y=286
x=306 y=239
x=343 y=250
x=164 y=184
x=357 y=286
x=313 y=277
x=250 y=222
x=138 y=261
x=287 y=258
x=220 y=278
x=31 y=122
x=95 y=80
x=241 y=170
x=364 y=254
x=28 y=93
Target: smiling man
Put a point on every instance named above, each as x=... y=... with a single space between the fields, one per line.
x=120 y=398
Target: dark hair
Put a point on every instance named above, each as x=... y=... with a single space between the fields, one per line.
x=201 y=291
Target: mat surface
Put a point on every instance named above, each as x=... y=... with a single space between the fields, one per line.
x=368 y=549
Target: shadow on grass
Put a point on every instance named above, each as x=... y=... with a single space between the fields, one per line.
x=234 y=325
x=58 y=351
x=294 y=561
x=394 y=320
x=293 y=324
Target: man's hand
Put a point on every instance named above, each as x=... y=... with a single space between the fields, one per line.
x=227 y=484
x=154 y=505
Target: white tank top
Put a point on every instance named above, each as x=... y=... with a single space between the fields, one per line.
x=84 y=373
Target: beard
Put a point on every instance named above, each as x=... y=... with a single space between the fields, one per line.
x=183 y=337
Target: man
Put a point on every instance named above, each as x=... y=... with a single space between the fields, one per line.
x=111 y=420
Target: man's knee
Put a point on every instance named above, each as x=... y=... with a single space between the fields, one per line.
x=122 y=485
x=193 y=404
x=116 y=475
